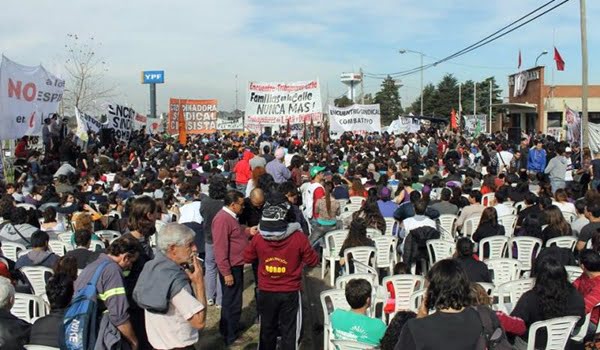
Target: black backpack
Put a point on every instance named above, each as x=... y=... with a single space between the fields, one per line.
x=492 y=335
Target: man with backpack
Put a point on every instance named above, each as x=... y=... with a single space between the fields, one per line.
x=100 y=304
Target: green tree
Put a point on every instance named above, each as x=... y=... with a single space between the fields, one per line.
x=430 y=98
x=343 y=101
x=389 y=101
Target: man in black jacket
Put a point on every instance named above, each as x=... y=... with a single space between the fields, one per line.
x=46 y=330
x=14 y=333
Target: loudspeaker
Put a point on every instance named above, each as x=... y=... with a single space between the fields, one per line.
x=514 y=135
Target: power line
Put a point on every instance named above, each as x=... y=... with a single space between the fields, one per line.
x=490 y=38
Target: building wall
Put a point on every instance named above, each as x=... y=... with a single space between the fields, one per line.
x=557 y=104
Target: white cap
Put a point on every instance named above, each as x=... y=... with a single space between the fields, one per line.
x=568 y=150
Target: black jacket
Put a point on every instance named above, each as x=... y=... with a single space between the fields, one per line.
x=46 y=330
x=415 y=247
x=14 y=333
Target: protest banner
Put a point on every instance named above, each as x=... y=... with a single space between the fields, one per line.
x=274 y=105
x=120 y=119
x=230 y=120
x=475 y=124
x=404 y=125
x=92 y=124
x=200 y=116
x=153 y=125
x=359 y=119
x=28 y=95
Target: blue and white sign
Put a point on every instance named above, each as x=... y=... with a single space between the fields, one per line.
x=153 y=77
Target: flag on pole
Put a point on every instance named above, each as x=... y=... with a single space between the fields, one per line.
x=477 y=127
x=181 y=126
x=560 y=64
x=519 y=66
x=82 y=129
x=289 y=128
x=312 y=128
x=453 y=119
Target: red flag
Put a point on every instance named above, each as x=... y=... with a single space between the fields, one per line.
x=453 y=119
x=182 y=126
x=519 y=67
x=560 y=64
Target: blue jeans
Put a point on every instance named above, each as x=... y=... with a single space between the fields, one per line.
x=211 y=282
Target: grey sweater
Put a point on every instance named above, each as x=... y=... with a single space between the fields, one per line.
x=557 y=168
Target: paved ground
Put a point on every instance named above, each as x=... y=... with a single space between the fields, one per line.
x=312 y=316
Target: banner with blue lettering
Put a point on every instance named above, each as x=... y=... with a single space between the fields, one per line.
x=120 y=119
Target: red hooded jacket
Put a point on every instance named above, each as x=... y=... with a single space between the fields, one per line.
x=242 y=170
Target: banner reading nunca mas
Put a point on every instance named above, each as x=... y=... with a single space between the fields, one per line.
x=200 y=116
x=273 y=104
x=360 y=119
x=28 y=95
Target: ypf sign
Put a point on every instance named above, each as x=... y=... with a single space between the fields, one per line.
x=28 y=95
x=153 y=77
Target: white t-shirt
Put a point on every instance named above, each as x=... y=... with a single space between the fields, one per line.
x=190 y=213
x=504 y=159
x=172 y=330
x=503 y=209
x=416 y=222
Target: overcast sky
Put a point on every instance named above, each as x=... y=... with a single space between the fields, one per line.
x=202 y=45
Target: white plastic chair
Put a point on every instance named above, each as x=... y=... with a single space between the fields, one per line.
x=470 y=225
x=489 y=287
x=568 y=242
x=404 y=287
x=58 y=247
x=509 y=222
x=27 y=206
x=496 y=247
x=65 y=237
x=488 y=199
x=439 y=249
x=558 y=329
x=28 y=307
x=39 y=347
x=352 y=208
x=527 y=249
x=519 y=206
x=446 y=224
x=578 y=337
x=108 y=234
x=386 y=253
x=569 y=216
x=351 y=345
x=416 y=299
x=504 y=270
x=11 y=250
x=96 y=246
x=390 y=226
x=37 y=277
x=331 y=300
x=331 y=252
x=357 y=200
x=574 y=272
x=342 y=203
x=373 y=232
x=365 y=255
x=513 y=290
x=340 y=282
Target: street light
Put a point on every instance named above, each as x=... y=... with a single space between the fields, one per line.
x=540 y=55
x=403 y=51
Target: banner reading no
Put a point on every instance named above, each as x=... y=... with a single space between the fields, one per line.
x=200 y=116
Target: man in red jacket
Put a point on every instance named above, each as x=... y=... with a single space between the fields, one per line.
x=282 y=250
x=242 y=171
x=229 y=241
x=588 y=284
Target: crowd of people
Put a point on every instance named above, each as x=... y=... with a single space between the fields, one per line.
x=174 y=227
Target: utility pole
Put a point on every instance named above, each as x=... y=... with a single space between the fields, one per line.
x=362 y=87
x=421 y=83
x=236 y=93
x=491 y=84
x=474 y=99
x=584 y=76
